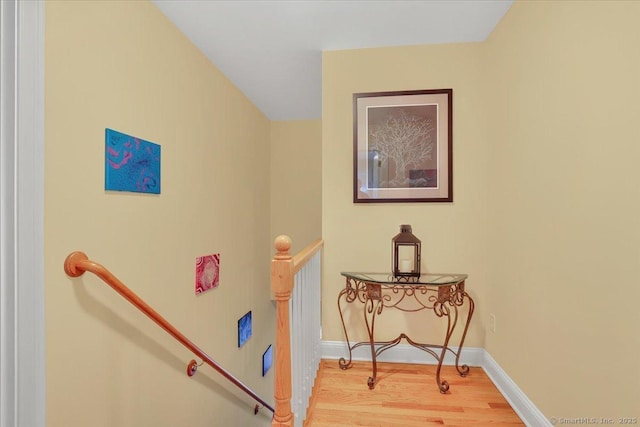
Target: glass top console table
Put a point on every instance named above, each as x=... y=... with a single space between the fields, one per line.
x=444 y=294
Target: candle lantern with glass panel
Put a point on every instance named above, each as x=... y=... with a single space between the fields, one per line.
x=405 y=254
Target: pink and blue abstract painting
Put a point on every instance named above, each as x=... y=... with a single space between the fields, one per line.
x=207 y=272
x=131 y=164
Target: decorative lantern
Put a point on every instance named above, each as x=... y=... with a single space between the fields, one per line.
x=406 y=254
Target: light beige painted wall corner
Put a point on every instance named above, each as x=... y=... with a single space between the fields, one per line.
x=562 y=87
x=546 y=200
x=296 y=183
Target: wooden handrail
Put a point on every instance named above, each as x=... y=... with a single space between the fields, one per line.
x=303 y=257
x=78 y=262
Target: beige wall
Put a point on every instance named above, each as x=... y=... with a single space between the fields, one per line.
x=296 y=183
x=563 y=87
x=123 y=65
x=358 y=236
x=545 y=218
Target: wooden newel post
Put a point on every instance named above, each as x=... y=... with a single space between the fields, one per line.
x=282 y=286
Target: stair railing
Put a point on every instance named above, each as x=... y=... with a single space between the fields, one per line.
x=297 y=276
x=77 y=263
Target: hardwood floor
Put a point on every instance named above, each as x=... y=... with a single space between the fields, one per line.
x=406 y=395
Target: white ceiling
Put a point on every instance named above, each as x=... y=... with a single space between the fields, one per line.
x=272 y=50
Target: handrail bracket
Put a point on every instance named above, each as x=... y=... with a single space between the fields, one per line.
x=71 y=264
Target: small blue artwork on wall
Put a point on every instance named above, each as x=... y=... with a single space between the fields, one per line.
x=267 y=360
x=244 y=329
x=131 y=164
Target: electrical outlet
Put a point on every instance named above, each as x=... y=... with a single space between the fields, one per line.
x=492 y=323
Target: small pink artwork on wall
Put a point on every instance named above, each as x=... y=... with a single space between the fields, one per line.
x=207 y=272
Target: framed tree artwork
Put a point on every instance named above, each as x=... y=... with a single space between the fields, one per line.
x=402 y=146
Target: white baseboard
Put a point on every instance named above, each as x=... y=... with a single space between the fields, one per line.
x=519 y=401
x=472 y=356
x=402 y=353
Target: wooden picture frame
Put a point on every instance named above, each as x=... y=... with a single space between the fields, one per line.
x=402 y=146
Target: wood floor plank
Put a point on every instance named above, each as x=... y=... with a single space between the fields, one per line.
x=405 y=395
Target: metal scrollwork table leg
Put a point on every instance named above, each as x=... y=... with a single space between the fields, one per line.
x=445 y=305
